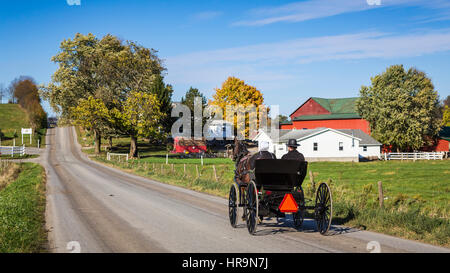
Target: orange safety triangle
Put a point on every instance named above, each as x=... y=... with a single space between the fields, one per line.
x=288 y=204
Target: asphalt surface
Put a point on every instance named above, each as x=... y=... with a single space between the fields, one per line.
x=94 y=208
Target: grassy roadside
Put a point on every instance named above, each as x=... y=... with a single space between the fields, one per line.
x=416 y=204
x=12 y=119
x=22 y=207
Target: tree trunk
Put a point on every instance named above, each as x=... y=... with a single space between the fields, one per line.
x=110 y=143
x=98 y=141
x=133 y=147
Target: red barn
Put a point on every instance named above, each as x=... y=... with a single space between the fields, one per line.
x=443 y=142
x=329 y=113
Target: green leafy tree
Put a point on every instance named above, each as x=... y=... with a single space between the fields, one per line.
x=188 y=100
x=108 y=70
x=163 y=93
x=446 y=116
x=91 y=113
x=401 y=107
x=139 y=117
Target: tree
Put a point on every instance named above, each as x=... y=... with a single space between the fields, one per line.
x=235 y=92
x=283 y=118
x=446 y=116
x=2 y=92
x=25 y=90
x=108 y=70
x=188 y=100
x=446 y=101
x=163 y=93
x=140 y=117
x=91 y=113
x=401 y=107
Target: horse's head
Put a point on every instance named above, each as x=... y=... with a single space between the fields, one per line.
x=239 y=149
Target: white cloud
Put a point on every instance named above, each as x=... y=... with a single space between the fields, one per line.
x=274 y=61
x=314 y=9
x=206 y=15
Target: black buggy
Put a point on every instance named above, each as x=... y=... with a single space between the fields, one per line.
x=276 y=189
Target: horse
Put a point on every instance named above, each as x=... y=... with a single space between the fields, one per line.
x=245 y=162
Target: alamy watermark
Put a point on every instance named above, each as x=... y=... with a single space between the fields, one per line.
x=373 y=2
x=237 y=121
x=73 y=2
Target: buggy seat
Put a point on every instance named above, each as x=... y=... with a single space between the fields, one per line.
x=279 y=174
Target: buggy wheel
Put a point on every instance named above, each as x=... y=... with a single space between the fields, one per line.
x=233 y=205
x=323 y=210
x=252 y=207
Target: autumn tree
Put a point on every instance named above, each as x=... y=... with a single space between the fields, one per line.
x=236 y=93
x=401 y=108
x=139 y=117
x=25 y=91
x=446 y=116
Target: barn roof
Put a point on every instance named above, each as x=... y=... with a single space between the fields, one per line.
x=338 y=106
x=445 y=133
x=342 y=108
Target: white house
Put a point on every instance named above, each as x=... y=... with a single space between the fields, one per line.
x=220 y=129
x=324 y=144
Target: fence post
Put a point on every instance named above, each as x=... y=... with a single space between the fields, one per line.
x=215 y=174
x=172 y=168
x=380 y=194
x=184 y=170
x=196 y=169
x=201 y=158
x=12 y=151
x=313 y=184
x=167 y=159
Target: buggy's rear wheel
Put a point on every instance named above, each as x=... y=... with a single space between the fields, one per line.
x=323 y=210
x=233 y=205
x=252 y=207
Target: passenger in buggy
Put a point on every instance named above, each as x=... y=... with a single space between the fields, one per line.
x=293 y=154
x=263 y=152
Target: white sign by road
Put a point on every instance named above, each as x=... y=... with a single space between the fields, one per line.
x=27 y=131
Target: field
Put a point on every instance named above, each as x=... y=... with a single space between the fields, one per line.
x=22 y=206
x=12 y=119
x=416 y=194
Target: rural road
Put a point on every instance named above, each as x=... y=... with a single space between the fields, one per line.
x=106 y=210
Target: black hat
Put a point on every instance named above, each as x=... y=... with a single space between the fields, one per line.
x=292 y=143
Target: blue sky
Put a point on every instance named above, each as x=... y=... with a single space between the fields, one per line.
x=289 y=50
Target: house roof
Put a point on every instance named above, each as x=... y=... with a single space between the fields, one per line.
x=365 y=138
x=445 y=133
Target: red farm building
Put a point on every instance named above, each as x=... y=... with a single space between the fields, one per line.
x=189 y=145
x=442 y=143
x=329 y=113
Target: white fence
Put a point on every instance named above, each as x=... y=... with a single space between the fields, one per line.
x=108 y=156
x=414 y=156
x=13 y=150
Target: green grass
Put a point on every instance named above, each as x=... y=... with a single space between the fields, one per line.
x=22 y=206
x=417 y=194
x=12 y=120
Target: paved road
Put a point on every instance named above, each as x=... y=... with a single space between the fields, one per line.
x=107 y=210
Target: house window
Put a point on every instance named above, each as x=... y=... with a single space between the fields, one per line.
x=341 y=146
x=364 y=148
x=315 y=146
